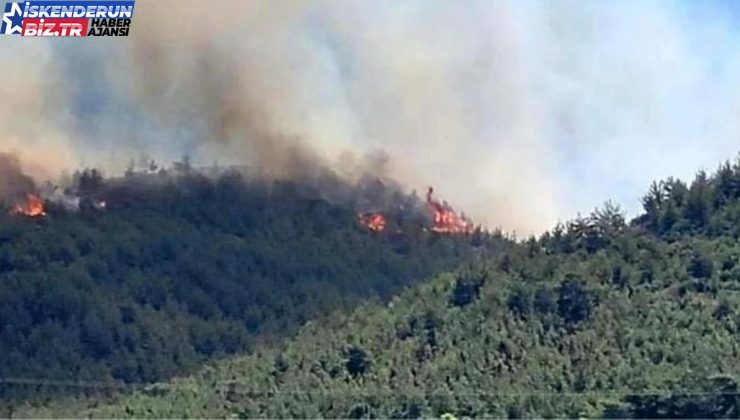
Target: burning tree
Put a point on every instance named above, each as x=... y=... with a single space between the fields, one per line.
x=444 y=218
x=373 y=221
x=31 y=206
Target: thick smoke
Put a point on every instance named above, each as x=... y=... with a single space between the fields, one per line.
x=13 y=183
x=518 y=113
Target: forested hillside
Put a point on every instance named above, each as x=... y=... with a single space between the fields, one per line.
x=599 y=317
x=154 y=274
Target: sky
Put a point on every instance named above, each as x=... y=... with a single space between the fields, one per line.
x=520 y=113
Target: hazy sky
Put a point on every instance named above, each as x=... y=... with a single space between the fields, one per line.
x=521 y=113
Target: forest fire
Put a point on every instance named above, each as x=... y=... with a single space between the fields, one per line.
x=32 y=206
x=373 y=221
x=444 y=217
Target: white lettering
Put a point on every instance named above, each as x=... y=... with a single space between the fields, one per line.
x=80 y=11
x=126 y=11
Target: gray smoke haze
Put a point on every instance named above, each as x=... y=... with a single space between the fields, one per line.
x=13 y=183
x=519 y=113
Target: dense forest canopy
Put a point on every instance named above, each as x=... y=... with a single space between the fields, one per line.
x=599 y=318
x=137 y=279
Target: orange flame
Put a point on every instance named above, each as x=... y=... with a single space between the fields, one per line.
x=444 y=217
x=32 y=206
x=373 y=221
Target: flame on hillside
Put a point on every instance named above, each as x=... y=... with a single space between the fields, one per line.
x=444 y=218
x=31 y=206
x=373 y=221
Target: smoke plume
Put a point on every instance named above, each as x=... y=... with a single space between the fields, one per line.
x=519 y=113
x=13 y=183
